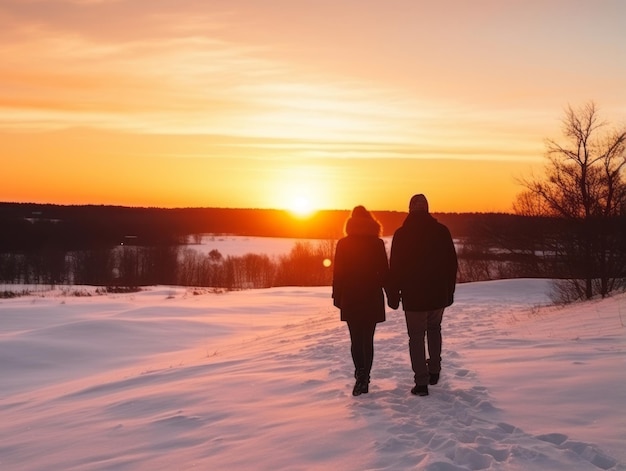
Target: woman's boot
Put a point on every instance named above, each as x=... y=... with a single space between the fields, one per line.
x=361 y=386
x=365 y=383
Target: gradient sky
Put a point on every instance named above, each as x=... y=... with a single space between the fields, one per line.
x=256 y=103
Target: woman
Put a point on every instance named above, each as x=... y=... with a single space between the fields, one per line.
x=360 y=274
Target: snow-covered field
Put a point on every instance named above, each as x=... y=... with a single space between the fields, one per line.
x=166 y=379
x=238 y=246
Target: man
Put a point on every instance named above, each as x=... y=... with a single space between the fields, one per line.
x=423 y=268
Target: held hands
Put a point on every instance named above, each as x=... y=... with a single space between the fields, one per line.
x=393 y=301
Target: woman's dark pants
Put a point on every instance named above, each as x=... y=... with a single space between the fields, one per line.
x=362 y=347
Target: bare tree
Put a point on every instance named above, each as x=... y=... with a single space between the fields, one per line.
x=584 y=186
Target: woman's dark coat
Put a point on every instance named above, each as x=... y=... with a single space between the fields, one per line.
x=423 y=264
x=360 y=272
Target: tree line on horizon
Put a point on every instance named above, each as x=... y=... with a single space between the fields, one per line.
x=495 y=246
x=107 y=246
x=569 y=225
x=30 y=225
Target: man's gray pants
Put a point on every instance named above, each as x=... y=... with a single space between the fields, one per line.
x=424 y=328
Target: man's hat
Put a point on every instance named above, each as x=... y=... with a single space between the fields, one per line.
x=418 y=204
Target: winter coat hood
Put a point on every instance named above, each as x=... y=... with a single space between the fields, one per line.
x=362 y=226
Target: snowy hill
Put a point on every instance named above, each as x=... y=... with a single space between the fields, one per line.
x=261 y=379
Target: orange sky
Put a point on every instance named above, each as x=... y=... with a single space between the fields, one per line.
x=256 y=104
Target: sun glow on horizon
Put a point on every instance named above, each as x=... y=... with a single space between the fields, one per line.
x=301 y=207
x=301 y=189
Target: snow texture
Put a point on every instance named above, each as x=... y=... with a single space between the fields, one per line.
x=176 y=379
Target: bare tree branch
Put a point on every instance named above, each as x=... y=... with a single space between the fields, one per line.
x=584 y=182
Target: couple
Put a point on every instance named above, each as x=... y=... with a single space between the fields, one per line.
x=421 y=272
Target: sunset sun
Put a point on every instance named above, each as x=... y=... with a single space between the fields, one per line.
x=302 y=191
x=301 y=206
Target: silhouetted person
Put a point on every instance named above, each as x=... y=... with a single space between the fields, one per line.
x=423 y=268
x=360 y=272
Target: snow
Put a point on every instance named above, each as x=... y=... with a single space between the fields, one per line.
x=175 y=379
x=237 y=246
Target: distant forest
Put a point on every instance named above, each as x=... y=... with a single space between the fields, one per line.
x=35 y=226
x=116 y=247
